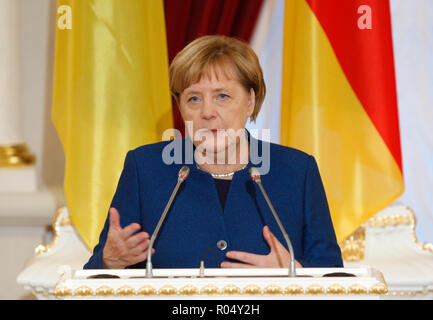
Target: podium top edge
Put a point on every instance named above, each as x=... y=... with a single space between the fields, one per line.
x=363 y=271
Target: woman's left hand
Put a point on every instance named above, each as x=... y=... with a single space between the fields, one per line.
x=278 y=257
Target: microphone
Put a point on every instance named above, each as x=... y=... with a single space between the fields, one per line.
x=182 y=175
x=255 y=175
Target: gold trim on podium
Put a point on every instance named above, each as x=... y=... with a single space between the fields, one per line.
x=62 y=291
x=380 y=288
x=315 y=289
x=231 y=289
x=188 y=290
x=209 y=290
x=167 y=290
x=352 y=248
x=83 y=291
x=273 y=289
x=104 y=291
x=336 y=289
x=294 y=289
x=252 y=289
x=66 y=221
x=357 y=289
x=146 y=291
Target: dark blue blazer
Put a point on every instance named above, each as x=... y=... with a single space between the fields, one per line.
x=196 y=221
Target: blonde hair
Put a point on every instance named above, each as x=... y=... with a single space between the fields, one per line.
x=204 y=54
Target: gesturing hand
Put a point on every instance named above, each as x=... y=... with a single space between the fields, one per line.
x=124 y=248
x=278 y=257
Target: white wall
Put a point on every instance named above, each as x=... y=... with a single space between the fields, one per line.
x=24 y=217
x=412 y=23
x=38 y=40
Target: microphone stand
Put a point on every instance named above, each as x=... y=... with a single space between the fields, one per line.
x=183 y=174
x=256 y=178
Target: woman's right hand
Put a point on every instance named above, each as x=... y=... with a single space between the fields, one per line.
x=123 y=248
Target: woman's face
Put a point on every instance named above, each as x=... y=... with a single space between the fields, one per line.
x=215 y=105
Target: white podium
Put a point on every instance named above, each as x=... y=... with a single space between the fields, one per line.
x=213 y=284
x=55 y=272
x=388 y=244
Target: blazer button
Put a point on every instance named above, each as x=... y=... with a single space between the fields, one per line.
x=222 y=244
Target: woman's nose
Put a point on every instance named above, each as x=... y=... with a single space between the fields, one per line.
x=208 y=109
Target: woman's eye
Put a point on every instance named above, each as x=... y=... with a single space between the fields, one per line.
x=193 y=99
x=223 y=96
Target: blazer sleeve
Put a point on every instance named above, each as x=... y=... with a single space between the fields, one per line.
x=127 y=201
x=320 y=244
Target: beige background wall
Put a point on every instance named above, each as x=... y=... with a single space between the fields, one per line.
x=24 y=218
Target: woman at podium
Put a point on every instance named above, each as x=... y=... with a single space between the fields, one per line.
x=219 y=214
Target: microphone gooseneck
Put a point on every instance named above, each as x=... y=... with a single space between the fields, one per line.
x=182 y=175
x=255 y=175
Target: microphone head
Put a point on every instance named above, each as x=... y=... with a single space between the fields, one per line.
x=255 y=174
x=183 y=173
